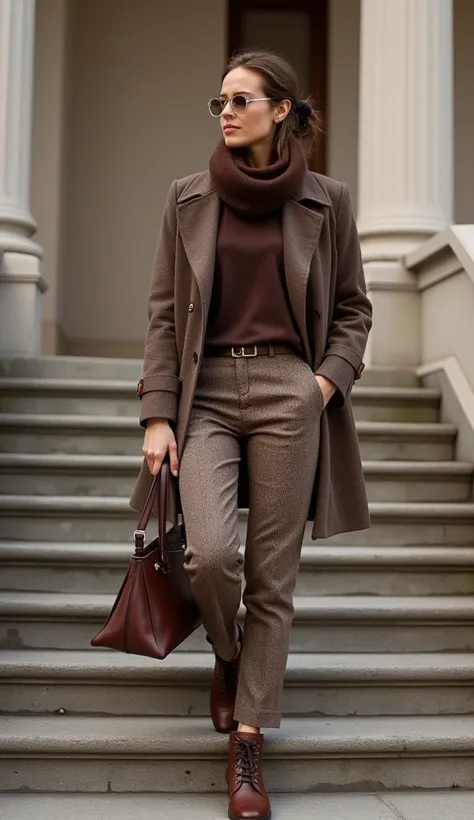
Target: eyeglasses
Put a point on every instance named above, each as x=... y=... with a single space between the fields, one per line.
x=238 y=103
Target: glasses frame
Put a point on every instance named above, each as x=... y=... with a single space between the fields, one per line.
x=248 y=100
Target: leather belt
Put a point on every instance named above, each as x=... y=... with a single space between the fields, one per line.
x=250 y=351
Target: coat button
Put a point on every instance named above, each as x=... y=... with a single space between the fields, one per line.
x=195 y=358
x=191 y=307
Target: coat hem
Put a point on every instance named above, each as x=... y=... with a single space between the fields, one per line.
x=343 y=531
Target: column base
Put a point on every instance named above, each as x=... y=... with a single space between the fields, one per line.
x=394 y=340
x=21 y=289
x=385 y=246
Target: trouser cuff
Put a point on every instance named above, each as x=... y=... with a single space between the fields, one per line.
x=262 y=718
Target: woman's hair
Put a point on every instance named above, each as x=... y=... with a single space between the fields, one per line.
x=280 y=82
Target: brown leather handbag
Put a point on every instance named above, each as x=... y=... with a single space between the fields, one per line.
x=154 y=610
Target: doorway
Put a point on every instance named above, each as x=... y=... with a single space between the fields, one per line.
x=298 y=30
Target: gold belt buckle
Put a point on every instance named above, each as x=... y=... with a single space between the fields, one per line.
x=239 y=352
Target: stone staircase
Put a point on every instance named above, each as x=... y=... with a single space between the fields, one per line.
x=379 y=692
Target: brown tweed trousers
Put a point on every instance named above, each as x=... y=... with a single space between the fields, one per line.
x=272 y=406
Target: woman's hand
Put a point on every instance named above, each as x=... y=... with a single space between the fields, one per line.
x=160 y=440
x=327 y=388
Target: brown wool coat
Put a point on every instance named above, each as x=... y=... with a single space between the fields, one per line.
x=326 y=288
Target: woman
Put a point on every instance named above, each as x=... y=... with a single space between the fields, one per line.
x=258 y=323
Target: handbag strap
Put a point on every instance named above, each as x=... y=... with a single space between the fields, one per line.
x=158 y=494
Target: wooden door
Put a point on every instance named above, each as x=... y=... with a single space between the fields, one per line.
x=297 y=30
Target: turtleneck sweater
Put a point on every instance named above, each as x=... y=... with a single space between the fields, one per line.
x=250 y=303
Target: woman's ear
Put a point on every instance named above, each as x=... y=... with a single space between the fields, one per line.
x=282 y=110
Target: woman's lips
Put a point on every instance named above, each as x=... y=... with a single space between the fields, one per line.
x=229 y=128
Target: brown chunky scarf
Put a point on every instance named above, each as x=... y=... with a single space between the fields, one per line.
x=253 y=192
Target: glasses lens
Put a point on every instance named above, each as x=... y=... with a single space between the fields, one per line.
x=239 y=103
x=215 y=107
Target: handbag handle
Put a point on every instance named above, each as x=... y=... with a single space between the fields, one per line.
x=158 y=493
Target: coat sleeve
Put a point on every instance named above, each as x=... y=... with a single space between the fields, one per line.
x=352 y=315
x=159 y=387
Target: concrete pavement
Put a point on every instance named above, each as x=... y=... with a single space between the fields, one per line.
x=383 y=806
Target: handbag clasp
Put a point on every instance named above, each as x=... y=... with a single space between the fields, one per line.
x=164 y=568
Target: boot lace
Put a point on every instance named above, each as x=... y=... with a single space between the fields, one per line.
x=246 y=760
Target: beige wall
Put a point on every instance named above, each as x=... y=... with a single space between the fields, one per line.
x=142 y=73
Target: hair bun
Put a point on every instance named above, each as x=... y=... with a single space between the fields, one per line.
x=303 y=111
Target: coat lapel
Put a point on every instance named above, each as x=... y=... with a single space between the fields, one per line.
x=302 y=222
x=198 y=220
x=301 y=230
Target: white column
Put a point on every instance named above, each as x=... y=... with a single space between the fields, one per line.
x=405 y=157
x=21 y=283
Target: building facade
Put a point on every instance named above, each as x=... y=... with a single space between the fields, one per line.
x=103 y=104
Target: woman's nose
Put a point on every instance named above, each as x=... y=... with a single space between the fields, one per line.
x=227 y=109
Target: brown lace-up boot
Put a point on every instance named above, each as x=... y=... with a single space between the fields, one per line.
x=224 y=690
x=248 y=799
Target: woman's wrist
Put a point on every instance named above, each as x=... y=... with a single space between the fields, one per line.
x=328 y=388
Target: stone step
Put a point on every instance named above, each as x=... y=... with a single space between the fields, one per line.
x=66 y=395
x=112 y=397
x=122 y=435
x=100 y=475
x=396 y=404
x=105 y=368
x=406 y=805
x=87 y=434
x=110 y=519
x=152 y=754
x=383 y=376
x=404 y=441
x=76 y=474
x=341 y=623
x=385 y=570
x=38 y=566
x=110 y=683
x=418 y=480
x=95 y=367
